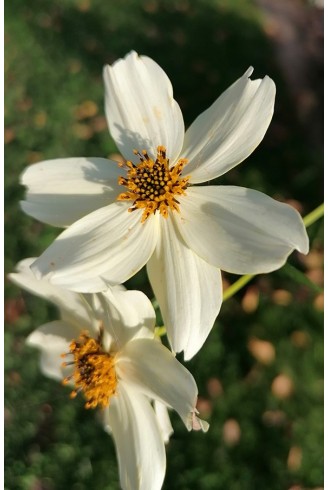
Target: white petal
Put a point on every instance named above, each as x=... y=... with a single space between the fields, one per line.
x=62 y=191
x=140 y=450
x=153 y=369
x=108 y=245
x=53 y=339
x=240 y=230
x=163 y=419
x=128 y=315
x=72 y=306
x=230 y=130
x=188 y=290
x=140 y=109
x=197 y=423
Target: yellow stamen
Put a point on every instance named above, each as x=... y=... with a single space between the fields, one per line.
x=153 y=185
x=94 y=371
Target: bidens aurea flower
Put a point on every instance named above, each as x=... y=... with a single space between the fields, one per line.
x=151 y=212
x=104 y=347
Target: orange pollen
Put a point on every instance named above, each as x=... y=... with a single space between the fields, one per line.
x=94 y=371
x=153 y=185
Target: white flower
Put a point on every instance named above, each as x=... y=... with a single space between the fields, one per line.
x=113 y=359
x=184 y=233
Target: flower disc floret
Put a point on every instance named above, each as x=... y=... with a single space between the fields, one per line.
x=94 y=371
x=152 y=185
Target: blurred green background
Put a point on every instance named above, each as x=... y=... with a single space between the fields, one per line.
x=260 y=373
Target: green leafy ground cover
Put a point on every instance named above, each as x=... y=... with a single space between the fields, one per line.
x=260 y=371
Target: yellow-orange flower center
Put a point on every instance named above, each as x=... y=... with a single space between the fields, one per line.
x=153 y=185
x=94 y=371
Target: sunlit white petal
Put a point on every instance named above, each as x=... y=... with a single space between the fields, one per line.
x=129 y=314
x=163 y=419
x=53 y=340
x=240 y=230
x=108 y=245
x=64 y=190
x=153 y=369
x=188 y=289
x=140 y=109
x=139 y=443
x=73 y=306
x=228 y=132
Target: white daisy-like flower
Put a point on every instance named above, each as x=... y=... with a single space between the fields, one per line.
x=150 y=212
x=104 y=347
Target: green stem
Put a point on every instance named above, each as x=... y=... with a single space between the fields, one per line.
x=242 y=281
x=314 y=215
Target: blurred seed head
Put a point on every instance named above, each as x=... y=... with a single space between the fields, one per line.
x=263 y=351
x=231 y=432
x=214 y=387
x=300 y=339
x=250 y=300
x=294 y=459
x=282 y=297
x=282 y=387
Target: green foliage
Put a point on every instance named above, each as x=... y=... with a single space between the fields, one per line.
x=55 y=52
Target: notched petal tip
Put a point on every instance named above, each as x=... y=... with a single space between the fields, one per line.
x=131 y=54
x=306 y=248
x=266 y=80
x=107 y=68
x=270 y=87
x=301 y=241
x=249 y=72
x=195 y=423
x=304 y=243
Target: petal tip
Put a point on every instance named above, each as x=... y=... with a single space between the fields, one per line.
x=271 y=86
x=301 y=241
x=304 y=245
x=130 y=55
x=188 y=354
x=195 y=423
x=249 y=72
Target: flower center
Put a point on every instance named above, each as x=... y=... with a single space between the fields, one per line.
x=153 y=185
x=94 y=371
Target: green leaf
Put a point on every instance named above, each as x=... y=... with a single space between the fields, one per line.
x=299 y=277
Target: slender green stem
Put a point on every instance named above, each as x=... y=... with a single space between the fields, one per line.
x=308 y=220
x=314 y=215
x=240 y=283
